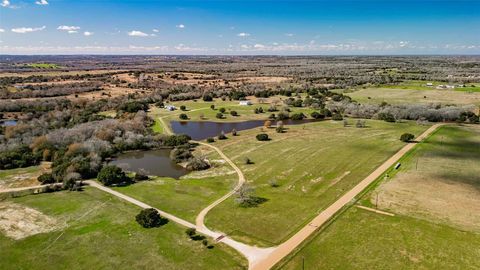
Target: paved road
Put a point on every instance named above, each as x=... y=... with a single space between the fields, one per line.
x=288 y=246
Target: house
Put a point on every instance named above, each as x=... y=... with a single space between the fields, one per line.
x=245 y=102
x=429 y=84
x=170 y=108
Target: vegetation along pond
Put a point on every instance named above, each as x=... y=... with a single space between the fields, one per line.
x=200 y=130
x=152 y=162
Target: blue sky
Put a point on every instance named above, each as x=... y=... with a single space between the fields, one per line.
x=239 y=27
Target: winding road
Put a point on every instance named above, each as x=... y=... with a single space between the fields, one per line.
x=266 y=258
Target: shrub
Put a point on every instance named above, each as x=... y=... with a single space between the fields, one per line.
x=279 y=129
x=283 y=115
x=297 y=116
x=180 y=154
x=407 y=137
x=207 y=98
x=183 y=107
x=176 y=140
x=262 y=137
x=246 y=197
x=110 y=175
x=337 y=117
x=140 y=177
x=197 y=164
x=234 y=132
x=233 y=113
x=317 y=115
x=212 y=107
x=150 y=218
x=219 y=115
x=183 y=116
x=222 y=110
x=273 y=183
x=222 y=136
x=387 y=117
x=210 y=140
x=248 y=161
x=258 y=110
x=46 y=178
x=191 y=232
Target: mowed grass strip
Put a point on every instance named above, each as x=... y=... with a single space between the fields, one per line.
x=361 y=239
x=102 y=233
x=313 y=164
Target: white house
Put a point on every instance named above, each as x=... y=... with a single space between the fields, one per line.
x=245 y=102
x=170 y=108
x=429 y=84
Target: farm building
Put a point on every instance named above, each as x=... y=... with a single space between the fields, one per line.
x=245 y=102
x=429 y=84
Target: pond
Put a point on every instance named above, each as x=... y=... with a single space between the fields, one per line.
x=200 y=130
x=7 y=123
x=151 y=162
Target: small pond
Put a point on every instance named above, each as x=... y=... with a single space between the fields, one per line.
x=6 y=123
x=200 y=130
x=151 y=162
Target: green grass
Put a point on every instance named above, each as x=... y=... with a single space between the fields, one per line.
x=13 y=172
x=361 y=239
x=43 y=65
x=314 y=164
x=102 y=234
x=183 y=198
x=157 y=126
x=422 y=85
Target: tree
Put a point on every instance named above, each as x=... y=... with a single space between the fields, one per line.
x=212 y=107
x=222 y=136
x=337 y=117
x=297 y=116
x=222 y=110
x=183 y=107
x=248 y=161
x=46 y=178
x=111 y=175
x=210 y=140
x=150 y=218
x=219 y=115
x=183 y=116
x=208 y=98
x=407 y=137
x=360 y=123
x=234 y=132
x=233 y=113
x=262 y=137
x=246 y=196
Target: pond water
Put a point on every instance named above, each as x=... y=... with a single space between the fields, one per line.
x=200 y=130
x=151 y=162
x=6 y=123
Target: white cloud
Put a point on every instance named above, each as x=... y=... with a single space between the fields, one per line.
x=243 y=34
x=72 y=32
x=259 y=46
x=155 y=30
x=41 y=2
x=68 y=28
x=2 y=30
x=87 y=34
x=23 y=30
x=181 y=26
x=136 y=33
x=5 y=3
x=289 y=34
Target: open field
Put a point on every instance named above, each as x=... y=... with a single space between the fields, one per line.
x=406 y=96
x=22 y=177
x=361 y=239
x=434 y=196
x=324 y=160
x=422 y=85
x=99 y=231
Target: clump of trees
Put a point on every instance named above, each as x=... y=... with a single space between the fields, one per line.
x=150 y=218
x=112 y=175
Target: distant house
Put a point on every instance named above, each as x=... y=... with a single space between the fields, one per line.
x=441 y=86
x=170 y=108
x=429 y=84
x=245 y=102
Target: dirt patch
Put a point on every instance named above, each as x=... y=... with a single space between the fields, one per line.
x=18 y=221
x=24 y=177
x=428 y=197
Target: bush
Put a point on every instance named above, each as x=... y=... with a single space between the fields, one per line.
x=46 y=178
x=387 y=117
x=176 y=140
x=407 y=137
x=258 y=110
x=183 y=107
x=210 y=140
x=297 y=116
x=219 y=115
x=19 y=157
x=233 y=113
x=110 y=175
x=337 y=117
x=317 y=115
x=191 y=232
x=140 y=177
x=279 y=129
x=197 y=164
x=212 y=107
x=180 y=154
x=222 y=110
x=207 y=98
x=222 y=136
x=248 y=161
x=234 y=132
x=150 y=218
x=262 y=137
x=183 y=116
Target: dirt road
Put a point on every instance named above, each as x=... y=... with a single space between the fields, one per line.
x=288 y=246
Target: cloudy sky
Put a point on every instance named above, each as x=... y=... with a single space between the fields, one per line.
x=322 y=27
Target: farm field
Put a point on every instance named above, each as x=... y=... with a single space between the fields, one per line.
x=94 y=230
x=325 y=159
x=409 y=96
x=434 y=196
